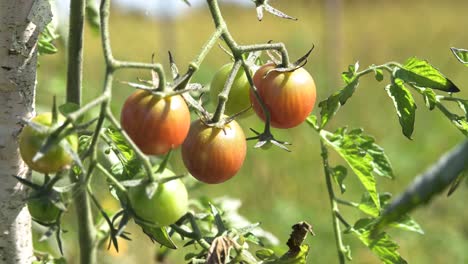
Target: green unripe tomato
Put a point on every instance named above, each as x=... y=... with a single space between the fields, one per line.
x=168 y=204
x=43 y=210
x=31 y=140
x=239 y=94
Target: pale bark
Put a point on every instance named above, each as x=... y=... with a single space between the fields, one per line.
x=21 y=21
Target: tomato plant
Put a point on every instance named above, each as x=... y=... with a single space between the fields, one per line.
x=156 y=119
x=156 y=125
x=239 y=94
x=31 y=139
x=212 y=154
x=168 y=204
x=289 y=96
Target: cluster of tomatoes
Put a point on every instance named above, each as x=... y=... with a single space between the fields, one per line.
x=214 y=154
x=211 y=153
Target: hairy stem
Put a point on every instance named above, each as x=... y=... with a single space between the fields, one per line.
x=334 y=204
x=86 y=229
x=224 y=95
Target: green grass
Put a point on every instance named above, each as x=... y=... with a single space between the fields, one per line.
x=279 y=188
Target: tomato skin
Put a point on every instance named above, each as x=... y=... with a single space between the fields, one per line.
x=43 y=211
x=213 y=155
x=168 y=204
x=155 y=125
x=290 y=97
x=239 y=93
x=31 y=140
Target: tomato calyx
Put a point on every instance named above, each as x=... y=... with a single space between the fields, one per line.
x=266 y=138
x=44 y=202
x=299 y=63
x=264 y=5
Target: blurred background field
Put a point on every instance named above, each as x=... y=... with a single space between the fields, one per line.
x=277 y=188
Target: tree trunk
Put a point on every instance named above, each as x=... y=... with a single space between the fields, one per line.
x=21 y=21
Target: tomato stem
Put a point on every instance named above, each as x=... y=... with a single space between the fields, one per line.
x=224 y=94
x=86 y=229
x=334 y=205
x=109 y=176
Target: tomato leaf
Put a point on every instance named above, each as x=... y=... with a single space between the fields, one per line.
x=429 y=98
x=130 y=167
x=299 y=257
x=422 y=74
x=159 y=234
x=407 y=223
x=362 y=155
x=463 y=104
x=404 y=105
x=92 y=15
x=330 y=106
x=378 y=74
x=426 y=186
x=339 y=174
x=461 y=55
x=266 y=254
x=381 y=245
x=367 y=206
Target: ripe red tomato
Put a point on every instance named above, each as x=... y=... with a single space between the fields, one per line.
x=289 y=96
x=214 y=155
x=30 y=141
x=168 y=204
x=155 y=125
x=239 y=94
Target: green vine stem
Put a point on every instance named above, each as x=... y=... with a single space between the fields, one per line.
x=224 y=95
x=86 y=229
x=334 y=205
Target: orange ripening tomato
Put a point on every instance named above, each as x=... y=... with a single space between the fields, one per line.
x=214 y=155
x=156 y=125
x=289 y=96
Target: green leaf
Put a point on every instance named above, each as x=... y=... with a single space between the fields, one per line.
x=367 y=206
x=463 y=104
x=266 y=254
x=460 y=122
x=378 y=74
x=461 y=55
x=350 y=75
x=429 y=98
x=407 y=223
x=292 y=258
x=381 y=245
x=380 y=161
x=404 y=104
x=45 y=42
x=92 y=15
x=130 y=167
x=330 y=106
x=353 y=148
x=422 y=74
x=339 y=174
x=158 y=234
